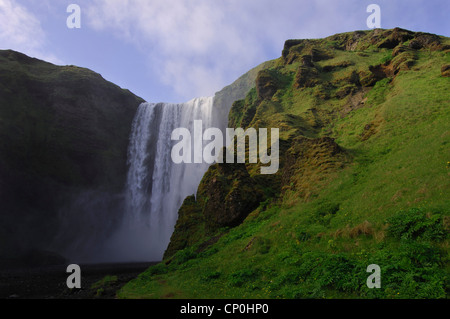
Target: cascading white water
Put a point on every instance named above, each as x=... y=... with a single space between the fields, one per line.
x=156 y=186
x=97 y=226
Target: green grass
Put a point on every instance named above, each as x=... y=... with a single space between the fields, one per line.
x=103 y=285
x=107 y=280
x=389 y=205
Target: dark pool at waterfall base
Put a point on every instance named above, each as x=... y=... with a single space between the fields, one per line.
x=49 y=282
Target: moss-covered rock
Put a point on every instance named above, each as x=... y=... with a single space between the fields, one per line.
x=425 y=40
x=266 y=84
x=306 y=77
x=228 y=194
x=445 y=70
x=392 y=38
x=189 y=228
x=308 y=162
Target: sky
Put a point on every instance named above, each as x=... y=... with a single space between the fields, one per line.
x=176 y=50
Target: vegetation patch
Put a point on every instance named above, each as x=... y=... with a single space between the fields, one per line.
x=363 y=179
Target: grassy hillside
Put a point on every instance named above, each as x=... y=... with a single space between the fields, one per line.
x=364 y=179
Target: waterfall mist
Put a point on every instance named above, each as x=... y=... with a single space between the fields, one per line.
x=156 y=187
x=137 y=225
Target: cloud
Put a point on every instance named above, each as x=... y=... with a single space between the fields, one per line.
x=198 y=46
x=195 y=47
x=20 y=30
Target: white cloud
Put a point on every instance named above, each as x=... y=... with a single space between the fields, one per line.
x=197 y=46
x=20 y=30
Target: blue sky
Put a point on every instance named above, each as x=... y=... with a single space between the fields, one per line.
x=175 y=50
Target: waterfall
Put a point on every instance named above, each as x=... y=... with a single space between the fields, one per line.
x=156 y=187
x=136 y=225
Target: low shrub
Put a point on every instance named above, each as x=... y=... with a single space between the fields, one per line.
x=416 y=224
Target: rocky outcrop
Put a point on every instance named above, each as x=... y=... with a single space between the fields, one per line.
x=228 y=194
x=306 y=77
x=336 y=66
x=306 y=160
x=425 y=40
x=266 y=84
x=445 y=70
x=358 y=41
x=391 y=38
x=299 y=50
x=189 y=228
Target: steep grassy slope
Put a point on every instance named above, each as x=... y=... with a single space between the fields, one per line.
x=63 y=130
x=364 y=179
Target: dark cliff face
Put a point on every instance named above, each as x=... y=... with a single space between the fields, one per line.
x=63 y=130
